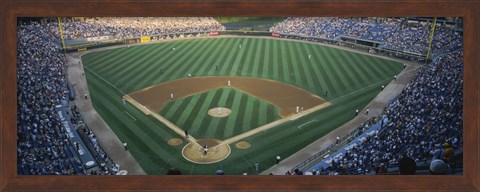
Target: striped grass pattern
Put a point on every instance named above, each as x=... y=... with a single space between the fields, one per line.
x=248 y=112
x=351 y=79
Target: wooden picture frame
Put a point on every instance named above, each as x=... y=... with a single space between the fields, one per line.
x=10 y=10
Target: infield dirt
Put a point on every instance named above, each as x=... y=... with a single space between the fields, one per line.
x=285 y=96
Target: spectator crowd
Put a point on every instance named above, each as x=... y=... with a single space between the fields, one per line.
x=393 y=33
x=424 y=121
x=130 y=27
x=43 y=145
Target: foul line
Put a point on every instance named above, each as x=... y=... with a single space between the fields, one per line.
x=104 y=80
x=163 y=120
x=127 y=113
x=272 y=124
x=300 y=127
x=296 y=116
x=173 y=127
x=375 y=84
x=147 y=111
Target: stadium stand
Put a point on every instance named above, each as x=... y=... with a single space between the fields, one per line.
x=129 y=27
x=46 y=142
x=393 y=33
x=44 y=147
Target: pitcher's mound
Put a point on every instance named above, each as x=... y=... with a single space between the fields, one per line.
x=219 y=112
x=215 y=153
x=175 y=141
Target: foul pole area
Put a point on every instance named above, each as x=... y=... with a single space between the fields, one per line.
x=61 y=35
x=432 y=32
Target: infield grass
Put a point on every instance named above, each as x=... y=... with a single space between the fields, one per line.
x=248 y=112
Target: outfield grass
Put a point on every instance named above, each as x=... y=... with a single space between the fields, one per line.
x=351 y=79
x=248 y=112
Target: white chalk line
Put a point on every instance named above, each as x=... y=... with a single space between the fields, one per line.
x=127 y=113
x=311 y=121
x=104 y=80
x=374 y=84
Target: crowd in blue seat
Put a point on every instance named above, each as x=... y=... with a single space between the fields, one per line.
x=130 y=27
x=393 y=33
x=42 y=144
x=423 y=120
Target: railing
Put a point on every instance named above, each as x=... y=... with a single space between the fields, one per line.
x=110 y=42
x=376 y=50
x=103 y=161
x=349 y=137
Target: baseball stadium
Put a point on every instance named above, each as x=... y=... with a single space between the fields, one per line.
x=240 y=96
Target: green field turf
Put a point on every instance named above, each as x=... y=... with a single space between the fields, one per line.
x=248 y=112
x=351 y=79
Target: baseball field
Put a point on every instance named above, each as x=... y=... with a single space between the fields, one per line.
x=247 y=99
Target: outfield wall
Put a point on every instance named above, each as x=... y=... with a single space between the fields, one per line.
x=143 y=39
x=344 y=41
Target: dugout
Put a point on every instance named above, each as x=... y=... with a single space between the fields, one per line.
x=71 y=92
